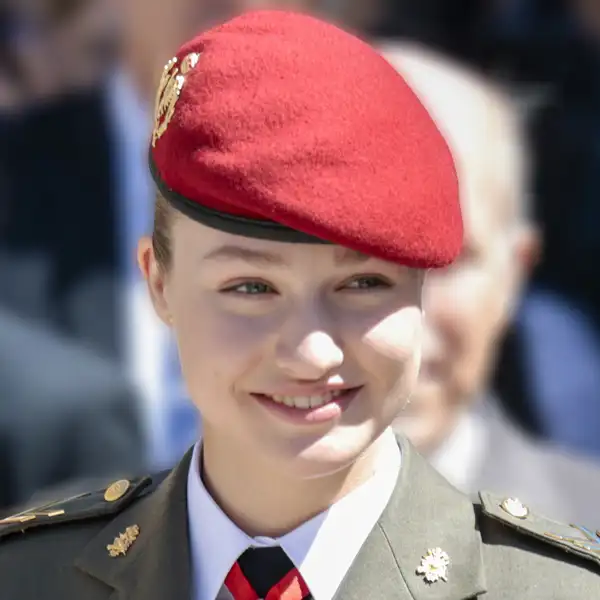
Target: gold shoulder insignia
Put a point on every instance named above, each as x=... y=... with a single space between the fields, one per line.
x=106 y=501
x=576 y=539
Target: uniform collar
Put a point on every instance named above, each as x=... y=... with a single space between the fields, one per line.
x=424 y=512
x=314 y=547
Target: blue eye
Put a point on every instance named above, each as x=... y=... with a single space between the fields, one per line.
x=250 y=288
x=367 y=282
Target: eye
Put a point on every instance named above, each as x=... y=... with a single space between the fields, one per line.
x=250 y=288
x=367 y=282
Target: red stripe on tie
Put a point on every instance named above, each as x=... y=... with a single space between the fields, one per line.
x=237 y=584
x=291 y=587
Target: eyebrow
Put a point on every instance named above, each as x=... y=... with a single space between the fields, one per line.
x=265 y=258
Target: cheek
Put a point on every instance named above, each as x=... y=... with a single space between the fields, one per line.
x=466 y=307
x=216 y=348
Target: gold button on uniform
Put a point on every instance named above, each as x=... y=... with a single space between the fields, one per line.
x=116 y=490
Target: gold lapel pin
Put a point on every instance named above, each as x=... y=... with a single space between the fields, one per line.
x=515 y=508
x=434 y=565
x=123 y=542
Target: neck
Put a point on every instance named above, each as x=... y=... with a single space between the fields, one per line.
x=264 y=499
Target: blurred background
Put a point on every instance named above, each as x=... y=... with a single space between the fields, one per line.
x=89 y=384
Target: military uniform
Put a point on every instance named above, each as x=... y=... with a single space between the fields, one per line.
x=130 y=541
x=281 y=127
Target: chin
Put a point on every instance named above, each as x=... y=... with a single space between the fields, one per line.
x=325 y=457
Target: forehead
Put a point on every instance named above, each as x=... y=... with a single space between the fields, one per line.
x=483 y=217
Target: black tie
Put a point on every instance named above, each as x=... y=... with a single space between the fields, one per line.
x=266 y=573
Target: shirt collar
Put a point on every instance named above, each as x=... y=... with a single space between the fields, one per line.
x=314 y=547
x=461 y=455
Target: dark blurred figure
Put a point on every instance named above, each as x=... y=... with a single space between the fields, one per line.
x=454 y=418
x=507 y=36
x=55 y=53
x=50 y=47
x=65 y=414
x=561 y=325
x=557 y=50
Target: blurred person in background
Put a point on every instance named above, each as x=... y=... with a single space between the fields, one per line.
x=66 y=414
x=550 y=48
x=53 y=47
x=56 y=149
x=453 y=418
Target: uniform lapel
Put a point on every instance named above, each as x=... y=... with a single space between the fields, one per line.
x=424 y=513
x=157 y=564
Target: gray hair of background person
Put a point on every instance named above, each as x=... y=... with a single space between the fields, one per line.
x=467 y=107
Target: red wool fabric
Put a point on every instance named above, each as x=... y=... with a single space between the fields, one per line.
x=289 y=119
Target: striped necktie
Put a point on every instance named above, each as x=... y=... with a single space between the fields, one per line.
x=266 y=573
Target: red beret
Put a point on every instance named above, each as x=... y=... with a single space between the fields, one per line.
x=279 y=126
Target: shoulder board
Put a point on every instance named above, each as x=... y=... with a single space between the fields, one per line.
x=90 y=505
x=575 y=539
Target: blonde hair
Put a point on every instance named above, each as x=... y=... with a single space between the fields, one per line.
x=161 y=233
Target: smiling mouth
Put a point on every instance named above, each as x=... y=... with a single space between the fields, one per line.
x=308 y=402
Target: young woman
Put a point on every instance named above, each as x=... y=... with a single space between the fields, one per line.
x=303 y=193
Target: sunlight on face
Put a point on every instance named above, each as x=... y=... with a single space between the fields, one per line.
x=256 y=318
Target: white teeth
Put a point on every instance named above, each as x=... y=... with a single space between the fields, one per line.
x=306 y=401
x=318 y=401
x=299 y=402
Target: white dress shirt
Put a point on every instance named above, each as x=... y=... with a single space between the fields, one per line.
x=461 y=455
x=322 y=549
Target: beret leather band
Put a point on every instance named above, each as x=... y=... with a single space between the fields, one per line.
x=230 y=223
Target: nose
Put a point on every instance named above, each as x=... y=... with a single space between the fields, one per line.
x=309 y=356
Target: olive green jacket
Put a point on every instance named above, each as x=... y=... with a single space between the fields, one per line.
x=133 y=545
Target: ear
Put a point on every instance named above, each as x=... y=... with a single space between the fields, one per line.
x=528 y=249
x=156 y=279
x=526 y=255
